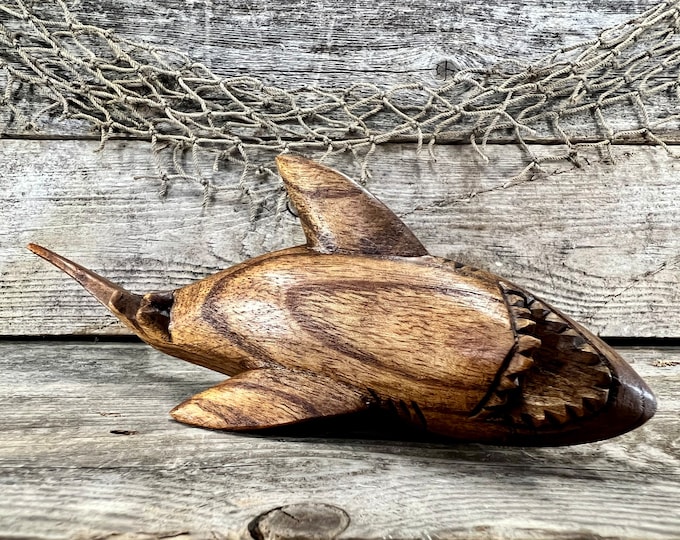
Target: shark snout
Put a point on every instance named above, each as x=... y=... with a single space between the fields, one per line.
x=633 y=402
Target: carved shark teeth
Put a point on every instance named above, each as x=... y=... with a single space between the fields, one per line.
x=510 y=381
x=592 y=404
x=549 y=349
x=519 y=364
x=604 y=377
x=521 y=312
x=589 y=355
x=524 y=325
x=515 y=300
x=542 y=415
x=538 y=310
x=575 y=413
x=527 y=344
x=495 y=403
x=557 y=415
x=555 y=323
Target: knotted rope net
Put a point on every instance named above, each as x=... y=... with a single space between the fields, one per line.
x=623 y=84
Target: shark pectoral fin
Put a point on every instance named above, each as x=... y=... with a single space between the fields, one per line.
x=265 y=398
x=338 y=215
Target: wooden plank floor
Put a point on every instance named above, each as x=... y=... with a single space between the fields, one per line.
x=87 y=447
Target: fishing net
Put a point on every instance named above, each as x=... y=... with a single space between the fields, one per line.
x=622 y=86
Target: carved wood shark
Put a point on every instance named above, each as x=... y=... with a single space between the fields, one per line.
x=362 y=316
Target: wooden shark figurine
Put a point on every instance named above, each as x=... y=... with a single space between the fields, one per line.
x=362 y=316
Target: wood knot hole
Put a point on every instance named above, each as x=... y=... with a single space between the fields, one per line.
x=313 y=521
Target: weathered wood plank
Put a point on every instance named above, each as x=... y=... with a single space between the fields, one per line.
x=63 y=472
x=600 y=240
x=334 y=44
x=331 y=42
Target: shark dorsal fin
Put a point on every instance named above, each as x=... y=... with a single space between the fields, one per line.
x=339 y=216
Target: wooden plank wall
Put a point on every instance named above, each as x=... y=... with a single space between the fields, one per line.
x=86 y=447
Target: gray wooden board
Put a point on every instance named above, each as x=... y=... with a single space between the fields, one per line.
x=600 y=241
x=333 y=43
x=63 y=473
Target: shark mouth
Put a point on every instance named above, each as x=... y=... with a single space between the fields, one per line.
x=555 y=376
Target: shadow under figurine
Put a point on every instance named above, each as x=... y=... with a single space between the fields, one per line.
x=362 y=316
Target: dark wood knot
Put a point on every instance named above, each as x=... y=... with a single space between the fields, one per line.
x=311 y=521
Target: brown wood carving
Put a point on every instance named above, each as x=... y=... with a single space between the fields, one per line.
x=362 y=316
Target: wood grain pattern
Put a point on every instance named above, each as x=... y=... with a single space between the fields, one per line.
x=598 y=240
x=608 y=259
x=362 y=316
x=262 y=398
x=317 y=521
x=340 y=216
x=333 y=43
x=63 y=472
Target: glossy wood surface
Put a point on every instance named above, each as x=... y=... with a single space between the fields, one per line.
x=364 y=313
